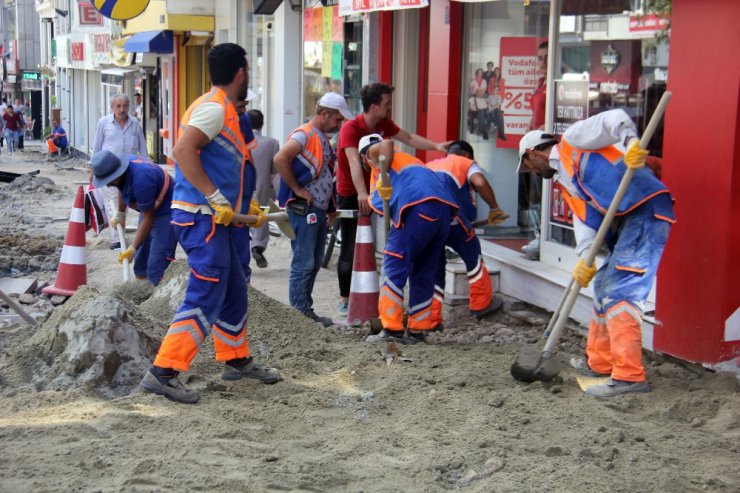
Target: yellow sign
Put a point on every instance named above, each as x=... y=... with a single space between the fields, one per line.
x=120 y=10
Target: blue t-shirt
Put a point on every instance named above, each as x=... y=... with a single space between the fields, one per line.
x=61 y=136
x=142 y=184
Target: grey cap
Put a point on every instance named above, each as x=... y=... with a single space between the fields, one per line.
x=106 y=167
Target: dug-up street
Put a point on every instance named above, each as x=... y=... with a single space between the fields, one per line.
x=348 y=416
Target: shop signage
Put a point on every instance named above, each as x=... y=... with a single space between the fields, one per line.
x=100 y=53
x=647 y=23
x=609 y=59
x=31 y=76
x=519 y=70
x=101 y=43
x=89 y=16
x=77 y=52
x=349 y=7
x=571 y=104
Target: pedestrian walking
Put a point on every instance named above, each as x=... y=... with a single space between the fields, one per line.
x=119 y=133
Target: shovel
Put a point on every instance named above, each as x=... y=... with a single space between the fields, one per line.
x=531 y=364
x=122 y=239
x=279 y=218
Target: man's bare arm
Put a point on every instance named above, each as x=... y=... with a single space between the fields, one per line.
x=419 y=142
x=188 y=159
x=358 y=179
x=282 y=161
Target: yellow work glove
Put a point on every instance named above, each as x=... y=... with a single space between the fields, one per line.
x=497 y=216
x=119 y=218
x=254 y=208
x=261 y=219
x=127 y=254
x=222 y=211
x=583 y=274
x=635 y=156
x=385 y=192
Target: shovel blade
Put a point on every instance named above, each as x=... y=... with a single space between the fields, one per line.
x=530 y=366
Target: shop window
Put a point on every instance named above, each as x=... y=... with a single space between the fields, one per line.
x=502 y=78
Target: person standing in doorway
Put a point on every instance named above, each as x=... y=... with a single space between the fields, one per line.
x=139 y=108
x=119 y=133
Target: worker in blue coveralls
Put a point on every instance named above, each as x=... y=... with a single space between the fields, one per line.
x=146 y=188
x=209 y=157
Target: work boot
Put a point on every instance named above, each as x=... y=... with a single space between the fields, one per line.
x=116 y=246
x=171 y=388
x=496 y=303
x=418 y=335
x=257 y=253
x=386 y=335
x=237 y=369
x=581 y=366
x=613 y=387
x=325 y=321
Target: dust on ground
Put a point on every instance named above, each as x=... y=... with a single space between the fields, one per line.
x=446 y=416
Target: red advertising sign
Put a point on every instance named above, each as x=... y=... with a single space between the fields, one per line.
x=348 y=7
x=647 y=23
x=519 y=71
x=77 y=52
x=101 y=43
x=615 y=66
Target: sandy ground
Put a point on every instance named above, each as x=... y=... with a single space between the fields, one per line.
x=449 y=418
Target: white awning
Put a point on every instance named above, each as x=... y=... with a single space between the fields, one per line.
x=349 y=7
x=119 y=71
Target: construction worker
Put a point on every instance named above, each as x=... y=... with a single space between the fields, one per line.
x=353 y=181
x=462 y=176
x=589 y=161
x=209 y=158
x=57 y=141
x=421 y=209
x=146 y=188
x=306 y=167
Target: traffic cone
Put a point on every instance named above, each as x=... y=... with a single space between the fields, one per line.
x=364 y=290
x=72 y=272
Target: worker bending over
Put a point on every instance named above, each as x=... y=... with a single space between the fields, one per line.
x=421 y=208
x=589 y=162
x=146 y=188
x=462 y=176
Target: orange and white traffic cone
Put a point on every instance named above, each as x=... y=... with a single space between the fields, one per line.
x=72 y=272
x=364 y=290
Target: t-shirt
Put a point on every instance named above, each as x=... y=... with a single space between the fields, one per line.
x=321 y=186
x=349 y=136
x=61 y=136
x=13 y=122
x=208 y=118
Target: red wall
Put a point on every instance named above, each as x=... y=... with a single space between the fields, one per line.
x=699 y=277
x=440 y=47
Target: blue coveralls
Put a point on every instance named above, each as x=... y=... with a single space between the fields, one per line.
x=142 y=190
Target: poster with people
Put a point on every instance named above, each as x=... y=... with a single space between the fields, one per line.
x=523 y=65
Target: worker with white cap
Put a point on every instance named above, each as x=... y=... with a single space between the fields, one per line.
x=421 y=208
x=306 y=167
x=589 y=162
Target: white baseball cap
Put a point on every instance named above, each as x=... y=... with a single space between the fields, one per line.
x=530 y=141
x=336 y=102
x=367 y=141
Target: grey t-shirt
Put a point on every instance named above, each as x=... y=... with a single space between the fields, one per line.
x=321 y=186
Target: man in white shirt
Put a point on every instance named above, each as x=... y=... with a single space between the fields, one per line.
x=119 y=133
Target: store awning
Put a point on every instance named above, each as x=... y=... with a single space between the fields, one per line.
x=150 y=42
x=349 y=7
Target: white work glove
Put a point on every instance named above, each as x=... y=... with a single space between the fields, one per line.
x=119 y=218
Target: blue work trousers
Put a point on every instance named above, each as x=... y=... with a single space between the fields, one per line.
x=158 y=250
